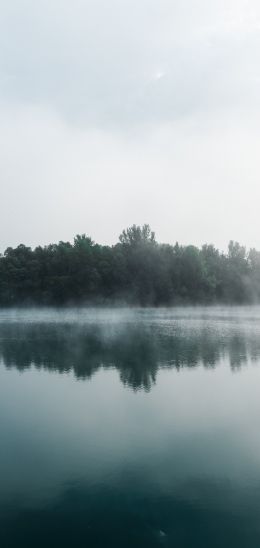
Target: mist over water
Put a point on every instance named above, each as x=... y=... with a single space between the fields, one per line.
x=130 y=427
x=135 y=342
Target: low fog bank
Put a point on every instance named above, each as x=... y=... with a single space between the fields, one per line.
x=119 y=317
x=137 y=271
x=135 y=343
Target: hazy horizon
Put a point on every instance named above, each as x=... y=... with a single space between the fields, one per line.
x=129 y=112
x=114 y=241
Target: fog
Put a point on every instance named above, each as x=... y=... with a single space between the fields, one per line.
x=133 y=112
x=137 y=343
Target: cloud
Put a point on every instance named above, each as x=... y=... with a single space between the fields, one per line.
x=90 y=60
x=186 y=179
x=120 y=112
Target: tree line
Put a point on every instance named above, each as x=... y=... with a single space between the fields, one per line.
x=136 y=271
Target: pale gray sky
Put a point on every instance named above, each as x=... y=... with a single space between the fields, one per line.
x=114 y=112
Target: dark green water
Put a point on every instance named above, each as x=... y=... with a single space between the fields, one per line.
x=130 y=428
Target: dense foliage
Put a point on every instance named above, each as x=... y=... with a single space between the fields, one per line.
x=137 y=270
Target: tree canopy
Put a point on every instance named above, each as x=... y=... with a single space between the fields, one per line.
x=137 y=271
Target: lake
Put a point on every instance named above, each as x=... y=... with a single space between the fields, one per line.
x=130 y=428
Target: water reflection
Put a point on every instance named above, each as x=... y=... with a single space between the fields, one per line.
x=92 y=464
x=136 y=349
x=136 y=520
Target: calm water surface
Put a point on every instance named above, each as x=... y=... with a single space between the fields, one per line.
x=135 y=428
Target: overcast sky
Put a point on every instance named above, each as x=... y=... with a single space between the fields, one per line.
x=114 y=112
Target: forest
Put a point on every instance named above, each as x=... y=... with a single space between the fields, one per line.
x=136 y=271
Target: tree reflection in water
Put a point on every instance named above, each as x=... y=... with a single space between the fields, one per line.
x=137 y=351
